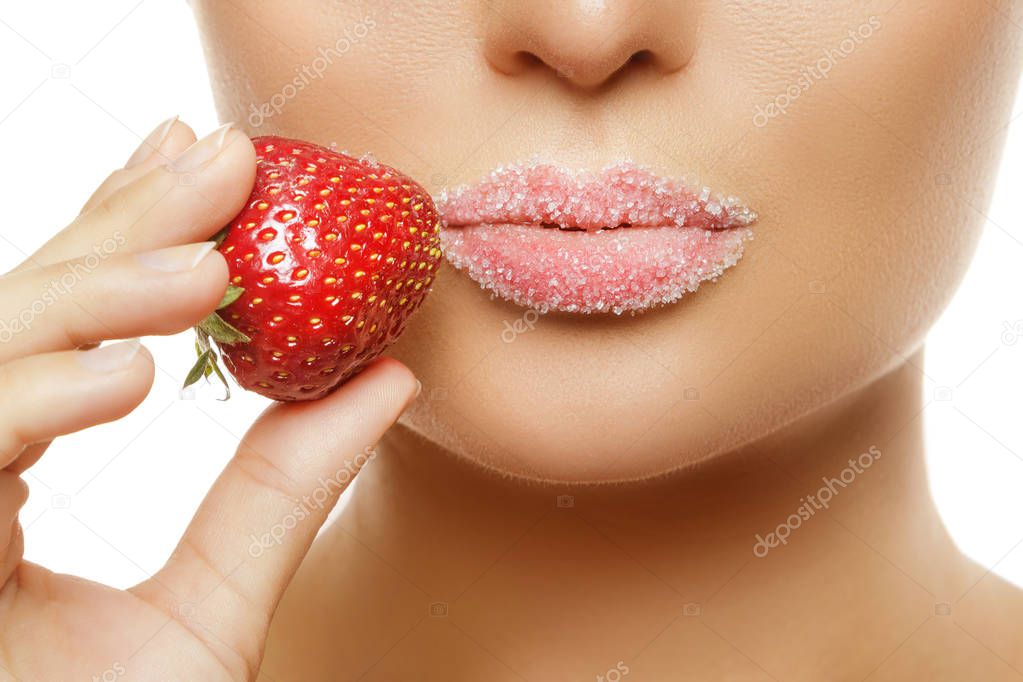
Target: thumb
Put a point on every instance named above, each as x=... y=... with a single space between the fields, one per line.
x=251 y=532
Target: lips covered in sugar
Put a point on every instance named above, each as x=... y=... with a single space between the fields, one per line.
x=574 y=271
x=618 y=195
x=622 y=239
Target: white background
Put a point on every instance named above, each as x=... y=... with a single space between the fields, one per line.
x=78 y=95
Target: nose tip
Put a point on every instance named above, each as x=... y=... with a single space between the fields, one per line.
x=587 y=42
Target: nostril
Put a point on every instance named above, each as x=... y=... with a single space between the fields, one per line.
x=642 y=57
x=521 y=61
x=528 y=60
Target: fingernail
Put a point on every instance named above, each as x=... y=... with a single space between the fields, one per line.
x=177 y=258
x=203 y=151
x=110 y=358
x=151 y=143
x=419 y=387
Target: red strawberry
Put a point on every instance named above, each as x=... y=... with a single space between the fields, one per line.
x=328 y=261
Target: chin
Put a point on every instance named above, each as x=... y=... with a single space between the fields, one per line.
x=579 y=399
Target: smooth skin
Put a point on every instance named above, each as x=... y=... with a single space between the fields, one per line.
x=205 y=614
x=871 y=185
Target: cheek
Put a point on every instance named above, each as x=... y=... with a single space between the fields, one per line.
x=363 y=76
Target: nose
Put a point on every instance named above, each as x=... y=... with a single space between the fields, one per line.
x=588 y=42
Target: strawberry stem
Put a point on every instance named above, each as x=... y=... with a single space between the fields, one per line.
x=215 y=329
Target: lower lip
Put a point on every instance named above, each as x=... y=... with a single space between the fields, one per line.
x=620 y=270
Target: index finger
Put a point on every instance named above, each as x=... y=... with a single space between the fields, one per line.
x=167 y=205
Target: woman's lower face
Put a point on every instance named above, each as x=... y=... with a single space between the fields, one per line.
x=864 y=135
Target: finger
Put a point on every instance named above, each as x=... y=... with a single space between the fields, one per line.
x=160 y=147
x=29 y=456
x=259 y=519
x=167 y=141
x=68 y=305
x=186 y=201
x=50 y=395
x=13 y=494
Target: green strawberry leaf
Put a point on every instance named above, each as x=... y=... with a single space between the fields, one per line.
x=205 y=366
x=222 y=332
x=214 y=367
x=199 y=368
x=232 y=294
x=219 y=237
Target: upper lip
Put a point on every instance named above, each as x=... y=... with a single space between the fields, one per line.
x=623 y=195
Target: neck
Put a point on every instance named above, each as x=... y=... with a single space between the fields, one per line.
x=791 y=542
